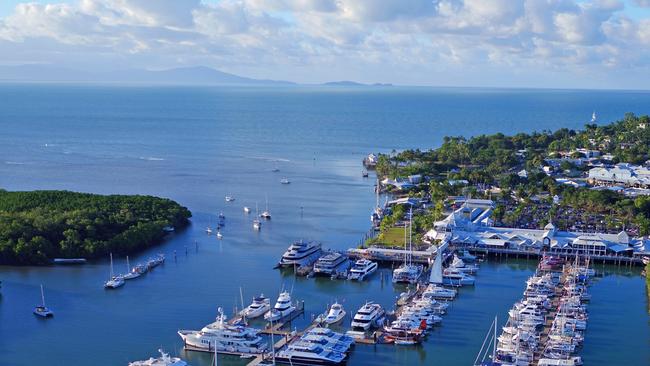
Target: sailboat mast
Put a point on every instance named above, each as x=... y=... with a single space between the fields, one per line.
x=410 y=236
x=111 y=254
x=42 y=296
x=494 y=345
x=128 y=266
x=377 y=193
x=241 y=297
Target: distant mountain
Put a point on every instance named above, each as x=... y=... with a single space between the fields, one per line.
x=180 y=76
x=352 y=83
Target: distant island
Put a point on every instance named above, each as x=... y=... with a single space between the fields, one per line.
x=197 y=75
x=352 y=83
x=37 y=226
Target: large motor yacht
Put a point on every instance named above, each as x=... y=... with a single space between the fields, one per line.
x=224 y=337
x=327 y=264
x=300 y=253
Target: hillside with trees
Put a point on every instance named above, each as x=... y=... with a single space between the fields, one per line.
x=37 y=226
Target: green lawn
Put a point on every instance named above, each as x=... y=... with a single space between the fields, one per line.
x=391 y=238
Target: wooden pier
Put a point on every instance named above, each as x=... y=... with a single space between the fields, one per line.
x=535 y=254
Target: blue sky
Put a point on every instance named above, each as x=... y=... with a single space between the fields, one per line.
x=529 y=43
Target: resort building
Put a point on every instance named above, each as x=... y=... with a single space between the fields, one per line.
x=623 y=173
x=471 y=226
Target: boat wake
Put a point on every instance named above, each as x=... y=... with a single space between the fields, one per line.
x=151 y=158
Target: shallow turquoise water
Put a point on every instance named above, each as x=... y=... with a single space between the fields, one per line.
x=196 y=145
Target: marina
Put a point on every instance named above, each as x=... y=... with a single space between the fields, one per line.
x=185 y=292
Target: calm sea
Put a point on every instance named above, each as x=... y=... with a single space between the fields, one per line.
x=195 y=145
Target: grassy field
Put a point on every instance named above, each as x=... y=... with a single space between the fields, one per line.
x=393 y=237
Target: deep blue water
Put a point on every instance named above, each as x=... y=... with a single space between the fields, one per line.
x=195 y=145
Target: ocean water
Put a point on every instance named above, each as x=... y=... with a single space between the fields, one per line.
x=196 y=145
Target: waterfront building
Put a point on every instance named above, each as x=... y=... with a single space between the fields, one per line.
x=472 y=226
x=623 y=173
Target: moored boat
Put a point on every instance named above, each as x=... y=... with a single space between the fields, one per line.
x=361 y=269
x=300 y=253
x=164 y=360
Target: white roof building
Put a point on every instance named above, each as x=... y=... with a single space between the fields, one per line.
x=627 y=174
x=469 y=227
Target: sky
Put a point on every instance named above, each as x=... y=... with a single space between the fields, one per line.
x=505 y=43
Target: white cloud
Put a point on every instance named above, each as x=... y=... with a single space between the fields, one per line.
x=273 y=38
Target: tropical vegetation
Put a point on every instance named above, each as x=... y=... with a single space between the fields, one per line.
x=38 y=226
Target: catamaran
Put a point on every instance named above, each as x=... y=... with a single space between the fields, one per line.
x=266 y=215
x=42 y=310
x=328 y=264
x=114 y=281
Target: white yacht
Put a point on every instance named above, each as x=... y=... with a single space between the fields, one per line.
x=258 y=307
x=282 y=308
x=454 y=277
x=361 y=269
x=219 y=235
x=230 y=199
x=163 y=360
x=300 y=253
x=224 y=338
x=285 y=181
x=335 y=314
x=438 y=292
x=327 y=264
x=132 y=273
x=247 y=209
x=114 y=281
x=42 y=310
x=266 y=214
x=208 y=230
x=307 y=354
x=370 y=315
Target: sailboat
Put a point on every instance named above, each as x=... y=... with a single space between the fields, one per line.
x=219 y=235
x=257 y=224
x=489 y=341
x=131 y=273
x=42 y=310
x=266 y=214
x=208 y=229
x=114 y=281
x=593 y=117
x=408 y=272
